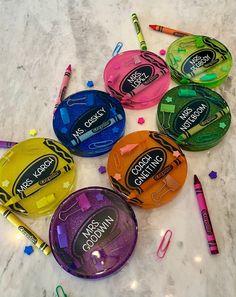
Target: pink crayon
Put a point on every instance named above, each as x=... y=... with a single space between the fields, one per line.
x=64 y=86
x=7 y=144
x=205 y=217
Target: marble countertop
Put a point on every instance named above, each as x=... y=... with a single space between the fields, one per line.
x=38 y=40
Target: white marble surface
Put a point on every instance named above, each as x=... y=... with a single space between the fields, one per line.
x=38 y=39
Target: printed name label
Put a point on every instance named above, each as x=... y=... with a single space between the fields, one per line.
x=197 y=60
x=40 y=169
x=89 y=121
x=191 y=115
x=136 y=77
x=95 y=230
x=145 y=166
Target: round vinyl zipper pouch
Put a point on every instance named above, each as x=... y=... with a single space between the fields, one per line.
x=196 y=117
x=137 y=78
x=147 y=168
x=88 y=123
x=93 y=233
x=35 y=176
x=199 y=59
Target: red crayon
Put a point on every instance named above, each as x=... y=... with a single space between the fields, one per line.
x=205 y=217
x=64 y=86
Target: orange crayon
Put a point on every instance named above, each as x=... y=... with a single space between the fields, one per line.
x=170 y=31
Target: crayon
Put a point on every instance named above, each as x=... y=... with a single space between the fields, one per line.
x=25 y=230
x=205 y=217
x=170 y=31
x=96 y=130
x=64 y=86
x=143 y=86
x=141 y=40
x=7 y=144
x=152 y=180
x=37 y=186
x=202 y=125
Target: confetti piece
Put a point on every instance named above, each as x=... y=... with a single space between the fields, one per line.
x=102 y=169
x=127 y=148
x=115 y=130
x=162 y=52
x=90 y=83
x=168 y=99
x=222 y=125
x=5 y=183
x=66 y=185
x=176 y=154
x=117 y=176
x=213 y=174
x=28 y=250
x=33 y=132
x=99 y=197
x=141 y=120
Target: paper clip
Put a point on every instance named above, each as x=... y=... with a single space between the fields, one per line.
x=117 y=48
x=162 y=250
x=100 y=144
x=62 y=290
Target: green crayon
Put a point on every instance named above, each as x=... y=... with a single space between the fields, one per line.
x=141 y=40
x=202 y=125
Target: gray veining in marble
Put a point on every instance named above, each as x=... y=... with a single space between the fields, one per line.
x=37 y=40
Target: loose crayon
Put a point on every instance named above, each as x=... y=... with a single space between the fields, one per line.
x=64 y=86
x=25 y=230
x=152 y=180
x=7 y=144
x=205 y=217
x=202 y=125
x=141 y=40
x=170 y=31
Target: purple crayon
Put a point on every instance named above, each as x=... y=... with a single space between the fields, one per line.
x=7 y=144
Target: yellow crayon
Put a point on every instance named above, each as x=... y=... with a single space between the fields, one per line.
x=141 y=40
x=152 y=181
x=26 y=231
x=202 y=125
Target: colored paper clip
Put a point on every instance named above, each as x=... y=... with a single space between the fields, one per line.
x=86 y=100
x=83 y=204
x=161 y=251
x=100 y=144
x=117 y=49
x=62 y=290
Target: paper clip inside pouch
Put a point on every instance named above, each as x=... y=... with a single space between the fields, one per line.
x=161 y=251
x=82 y=203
